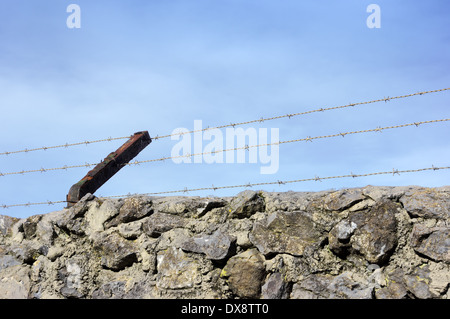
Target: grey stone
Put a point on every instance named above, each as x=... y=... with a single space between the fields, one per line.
x=216 y=246
x=275 y=287
x=8 y=261
x=311 y=287
x=173 y=238
x=208 y=204
x=130 y=283
x=418 y=287
x=116 y=252
x=71 y=293
x=245 y=272
x=433 y=243
x=371 y=233
x=346 y=287
x=99 y=214
x=246 y=203
x=110 y=290
x=373 y=267
x=187 y=206
x=176 y=270
x=6 y=223
x=345 y=230
x=287 y=201
x=159 y=223
x=27 y=252
x=393 y=291
x=395 y=286
x=366 y=203
x=339 y=237
x=72 y=218
x=427 y=202
x=54 y=252
x=130 y=230
x=418 y=283
x=15 y=282
x=176 y=205
x=45 y=229
x=382 y=193
x=285 y=232
x=30 y=225
x=343 y=199
x=75 y=276
x=439 y=274
x=134 y=208
x=299 y=293
x=343 y=286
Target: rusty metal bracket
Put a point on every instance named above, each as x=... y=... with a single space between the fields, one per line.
x=101 y=173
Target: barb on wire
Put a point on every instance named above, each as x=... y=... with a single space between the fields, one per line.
x=45 y=170
x=307 y=139
x=66 y=145
x=316 y=178
x=290 y=115
x=33 y=204
x=214 y=188
x=245 y=147
x=260 y=120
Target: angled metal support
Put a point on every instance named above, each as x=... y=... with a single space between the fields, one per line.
x=101 y=173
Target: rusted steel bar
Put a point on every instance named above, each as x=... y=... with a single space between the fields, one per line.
x=101 y=173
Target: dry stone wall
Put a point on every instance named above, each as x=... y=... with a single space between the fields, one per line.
x=364 y=243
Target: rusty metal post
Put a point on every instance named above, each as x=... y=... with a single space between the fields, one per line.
x=101 y=173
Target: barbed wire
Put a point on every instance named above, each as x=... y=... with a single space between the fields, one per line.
x=246 y=147
x=315 y=178
x=44 y=148
x=33 y=204
x=249 y=185
x=291 y=115
x=44 y=170
x=260 y=120
x=307 y=139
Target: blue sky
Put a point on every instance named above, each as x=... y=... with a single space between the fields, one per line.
x=160 y=65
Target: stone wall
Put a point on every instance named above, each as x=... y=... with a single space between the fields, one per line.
x=371 y=242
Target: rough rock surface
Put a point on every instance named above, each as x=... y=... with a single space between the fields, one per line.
x=362 y=243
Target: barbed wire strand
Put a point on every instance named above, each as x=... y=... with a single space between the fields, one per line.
x=260 y=120
x=44 y=148
x=316 y=178
x=307 y=139
x=33 y=204
x=246 y=147
x=248 y=185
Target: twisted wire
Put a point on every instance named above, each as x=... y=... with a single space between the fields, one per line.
x=260 y=120
x=246 y=147
x=248 y=185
